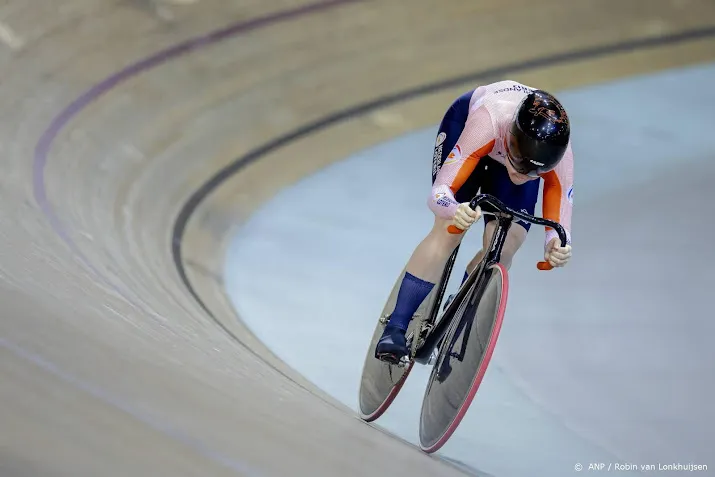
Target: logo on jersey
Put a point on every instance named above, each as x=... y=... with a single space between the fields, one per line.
x=569 y=195
x=454 y=156
x=437 y=156
x=443 y=200
x=517 y=87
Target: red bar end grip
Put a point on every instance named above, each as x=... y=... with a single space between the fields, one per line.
x=544 y=266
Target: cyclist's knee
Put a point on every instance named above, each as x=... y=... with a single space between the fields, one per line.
x=440 y=235
x=514 y=240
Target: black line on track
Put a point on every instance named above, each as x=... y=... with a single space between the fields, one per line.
x=256 y=154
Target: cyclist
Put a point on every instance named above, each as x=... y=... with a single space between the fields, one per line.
x=501 y=137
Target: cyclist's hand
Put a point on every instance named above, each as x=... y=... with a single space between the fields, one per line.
x=464 y=217
x=557 y=256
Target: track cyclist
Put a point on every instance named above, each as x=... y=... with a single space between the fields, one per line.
x=502 y=137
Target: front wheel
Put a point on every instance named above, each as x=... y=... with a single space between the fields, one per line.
x=463 y=358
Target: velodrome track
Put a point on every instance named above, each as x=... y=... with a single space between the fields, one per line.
x=136 y=136
x=581 y=369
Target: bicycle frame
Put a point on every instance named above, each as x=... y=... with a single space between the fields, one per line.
x=505 y=215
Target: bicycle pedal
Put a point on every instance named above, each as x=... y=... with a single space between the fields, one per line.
x=393 y=359
x=388 y=358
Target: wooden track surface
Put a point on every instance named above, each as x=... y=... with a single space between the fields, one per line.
x=108 y=365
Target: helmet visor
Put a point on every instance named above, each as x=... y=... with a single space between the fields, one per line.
x=516 y=158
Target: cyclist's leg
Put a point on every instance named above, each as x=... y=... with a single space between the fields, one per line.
x=427 y=261
x=519 y=197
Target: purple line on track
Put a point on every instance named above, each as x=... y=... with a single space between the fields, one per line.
x=124 y=406
x=43 y=146
x=41 y=156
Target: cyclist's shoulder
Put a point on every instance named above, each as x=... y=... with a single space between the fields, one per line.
x=499 y=99
x=505 y=89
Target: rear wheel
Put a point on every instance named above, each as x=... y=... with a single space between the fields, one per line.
x=463 y=358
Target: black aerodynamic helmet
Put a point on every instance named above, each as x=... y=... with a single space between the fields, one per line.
x=539 y=134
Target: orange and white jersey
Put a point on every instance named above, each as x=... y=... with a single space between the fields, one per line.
x=491 y=110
